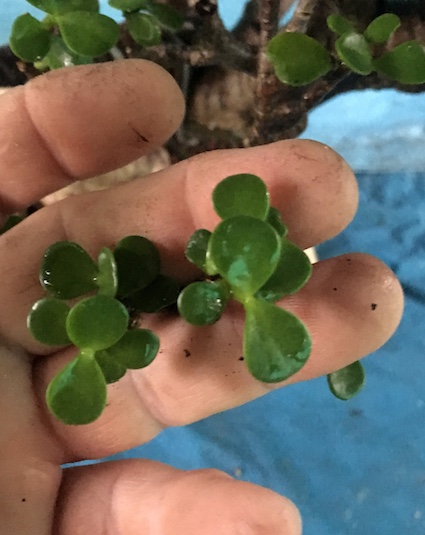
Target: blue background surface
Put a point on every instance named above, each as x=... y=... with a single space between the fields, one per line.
x=355 y=467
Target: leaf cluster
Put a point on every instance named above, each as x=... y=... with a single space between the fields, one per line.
x=298 y=59
x=73 y=32
x=98 y=324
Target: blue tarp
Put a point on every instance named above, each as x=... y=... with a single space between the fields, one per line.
x=356 y=467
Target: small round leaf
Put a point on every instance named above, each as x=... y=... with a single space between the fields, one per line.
x=77 y=395
x=144 y=29
x=354 y=51
x=159 y=294
x=347 y=382
x=292 y=272
x=405 y=63
x=67 y=271
x=47 y=321
x=339 y=24
x=97 y=322
x=88 y=34
x=136 y=349
x=202 y=303
x=60 y=55
x=138 y=264
x=276 y=343
x=274 y=219
x=29 y=40
x=107 y=278
x=242 y=194
x=167 y=16
x=381 y=28
x=197 y=246
x=297 y=58
x=245 y=251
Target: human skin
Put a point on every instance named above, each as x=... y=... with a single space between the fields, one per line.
x=79 y=122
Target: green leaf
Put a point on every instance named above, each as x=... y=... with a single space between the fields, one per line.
x=354 y=51
x=29 y=40
x=11 y=222
x=347 y=382
x=47 y=321
x=159 y=294
x=405 y=63
x=292 y=272
x=381 y=29
x=276 y=343
x=245 y=251
x=197 y=246
x=167 y=16
x=77 y=395
x=339 y=24
x=128 y=5
x=136 y=349
x=60 y=7
x=144 y=29
x=97 y=322
x=88 y=34
x=60 y=56
x=67 y=271
x=112 y=371
x=297 y=58
x=242 y=194
x=107 y=278
x=202 y=303
x=138 y=264
x=274 y=219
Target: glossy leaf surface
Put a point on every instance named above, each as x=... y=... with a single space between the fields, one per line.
x=144 y=29
x=97 y=322
x=197 y=246
x=67 y=271
x=202 y=303
x=88 y=34
x=138 y=264
x=77 y=395
x=339 y=24
x=242 y=194
x=354 y=51
x=274 y=219
x=136 y=349
x=47 y=321
x=246 y=252
x=111 y=369
x=107 y=278
x=276 y=343
x=297 y=58
x=159 y=294
x=292 y=272
x=381 y=28
x=347 y=382
x=59 y=55
x=29 y=40
x=405 y=63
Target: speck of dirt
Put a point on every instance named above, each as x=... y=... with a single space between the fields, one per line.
x=334 y=289
x=356 y=413
x=186 y=353
x=23 y=500
x=241 y=358
x=348 y=259
x=373 y=306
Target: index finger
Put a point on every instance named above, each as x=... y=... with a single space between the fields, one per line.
x=76 y=123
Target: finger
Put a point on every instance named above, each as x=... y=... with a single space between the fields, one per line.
x=134 y=497
x=199 y=371
x=311 y=185
x=75 y=123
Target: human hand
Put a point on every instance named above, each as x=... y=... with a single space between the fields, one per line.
x=75 y=123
